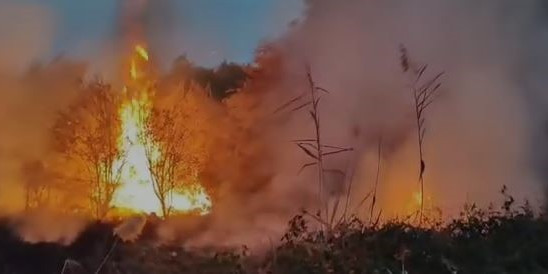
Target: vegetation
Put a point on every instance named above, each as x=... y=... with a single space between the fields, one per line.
x=222 y=81
x=424 y=92
x=86 y=136
x=86 y=139
x=511 y=239
x=506 y=240
x=36 y=184
x=170 y=137
x=314 y=148
x=480 y=241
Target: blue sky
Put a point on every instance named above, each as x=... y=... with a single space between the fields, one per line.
x=208 y=31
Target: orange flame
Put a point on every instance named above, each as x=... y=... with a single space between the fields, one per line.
x=136 y=192
x=143 y=53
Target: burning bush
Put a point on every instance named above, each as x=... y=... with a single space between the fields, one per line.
x=133 y=151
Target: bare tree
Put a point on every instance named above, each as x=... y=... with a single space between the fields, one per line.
x=87 y=134
x=424 y=93
x=170 y=159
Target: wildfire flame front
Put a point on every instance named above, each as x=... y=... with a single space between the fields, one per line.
x=136 y=191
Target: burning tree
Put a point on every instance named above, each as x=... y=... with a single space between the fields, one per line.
x=86 y=135
x=172 y=158
x=154 y=139
x=164 y=153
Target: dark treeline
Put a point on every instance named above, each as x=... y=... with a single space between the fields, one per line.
x=221 y=81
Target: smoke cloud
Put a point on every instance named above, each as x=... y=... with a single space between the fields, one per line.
x=30 y=96
x=22 y=46
x=27 y=31
x=486 y=130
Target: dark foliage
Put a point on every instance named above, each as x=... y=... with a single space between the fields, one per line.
x=17 y=256
x=480 y=241
x=87 y=252
x=508 y=240
x=222 y=80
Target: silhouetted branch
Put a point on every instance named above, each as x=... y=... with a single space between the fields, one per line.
x=307 y=165
x=423 y=96
x=379 y=159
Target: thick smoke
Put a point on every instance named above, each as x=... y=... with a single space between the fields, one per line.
x=30 y=96
x=22 y=46
x=484 y=131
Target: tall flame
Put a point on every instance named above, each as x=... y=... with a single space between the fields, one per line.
x=136 y=192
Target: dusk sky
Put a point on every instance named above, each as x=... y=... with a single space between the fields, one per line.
x=207 y=31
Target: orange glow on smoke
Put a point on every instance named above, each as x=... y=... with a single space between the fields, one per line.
x=136 y=192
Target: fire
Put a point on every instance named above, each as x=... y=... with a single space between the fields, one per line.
x=142 y=52
x=417 y=198
x=415 y=203
x=136 y=192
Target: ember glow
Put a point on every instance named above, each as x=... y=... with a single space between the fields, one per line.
x=136 y=194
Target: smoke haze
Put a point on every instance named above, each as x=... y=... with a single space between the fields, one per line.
x=486 y=130
x=482 y=132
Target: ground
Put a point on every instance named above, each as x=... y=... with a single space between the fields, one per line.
x=480 y=241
